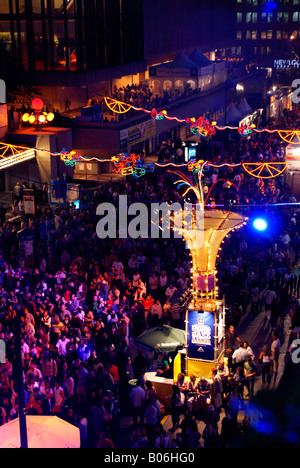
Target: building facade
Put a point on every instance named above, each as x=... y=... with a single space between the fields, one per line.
x=267 y=31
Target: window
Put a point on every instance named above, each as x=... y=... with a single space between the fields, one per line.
x=248 y=17
x=295 y=16
x=239 y=35
x=270 y=34
x=279 y=17
x=278 y=34
x=254 y=35
x=286 y=17
x=4 y=7
x=248 y=34
x=239 y=17
x=264 y=17
x=263 y=35
x=254 y=17
x=270 y=17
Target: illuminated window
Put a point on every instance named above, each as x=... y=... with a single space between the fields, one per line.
x=239 y=35
x=248 y=34
x=4 y=7
x=254 y=17
x=279 y=17
x=278 y=34
x=254 y=35
x=286 y=17
x=264 y=17
x=295 y=16
x=270 y=17
x=239 y=17
x=270 y=34
x=263 y=35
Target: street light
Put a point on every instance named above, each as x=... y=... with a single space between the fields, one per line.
x=38 y=117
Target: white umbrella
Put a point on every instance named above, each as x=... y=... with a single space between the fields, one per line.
x=42 y=432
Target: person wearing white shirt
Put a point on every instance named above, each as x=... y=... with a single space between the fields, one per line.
x=170 y=291
x=24 y=346
x=62 y=345
x=240 y=356
x=118 y=266
x=249 y=350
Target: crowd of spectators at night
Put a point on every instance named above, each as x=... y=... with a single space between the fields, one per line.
x=141 y=95
x=82 y=300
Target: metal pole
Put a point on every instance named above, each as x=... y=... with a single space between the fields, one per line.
x=20 y=385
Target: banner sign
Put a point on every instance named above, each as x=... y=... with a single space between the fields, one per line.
x=201 y=335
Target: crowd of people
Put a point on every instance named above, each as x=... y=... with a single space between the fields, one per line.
x=82 y=300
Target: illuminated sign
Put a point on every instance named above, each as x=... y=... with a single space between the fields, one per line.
x=286 y=63
x=201 y=335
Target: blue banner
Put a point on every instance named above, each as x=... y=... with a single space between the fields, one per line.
x=201 y=335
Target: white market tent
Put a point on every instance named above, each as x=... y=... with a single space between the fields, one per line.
x=206 y=69
x=233 y=116
x=244 y=108
x=42 y=432
x=175 y=75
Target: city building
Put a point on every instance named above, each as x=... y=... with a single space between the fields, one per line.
x=268 y=32
x=75 y=50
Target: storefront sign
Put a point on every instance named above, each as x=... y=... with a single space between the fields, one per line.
x=140 y=132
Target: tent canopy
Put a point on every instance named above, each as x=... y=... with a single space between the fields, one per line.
x=162 y=339
x=244 y=108
x=181 y=61
x=199 y=58
x=42 y=432
x=232 y=116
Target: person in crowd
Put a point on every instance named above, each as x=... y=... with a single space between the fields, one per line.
x=72 y=298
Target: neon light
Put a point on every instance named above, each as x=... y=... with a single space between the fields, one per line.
x=224 y=180
x=195 y=166
x=117 y=106
x=290 y=136
x=70 y=159
x=258 y=168
x=17 y=158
